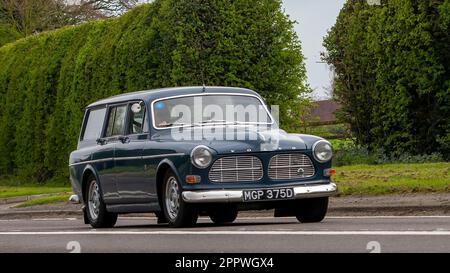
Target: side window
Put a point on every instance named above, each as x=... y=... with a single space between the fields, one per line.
x=94 y=124
x=137 y=124
x=116 y=121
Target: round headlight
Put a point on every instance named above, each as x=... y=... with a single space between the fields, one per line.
x=322 y=151
x=201 y=157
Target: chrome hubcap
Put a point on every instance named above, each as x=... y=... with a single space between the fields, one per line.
x=172 y=197
x=94 y=200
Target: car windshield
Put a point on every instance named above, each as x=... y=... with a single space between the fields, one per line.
x=209 y=109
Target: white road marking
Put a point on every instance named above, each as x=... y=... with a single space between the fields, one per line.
x=344 y=217
x=244 y=218
x=223 y=232
x=350 y=217
x=388 y=216
x=292 y=217
x=48 y=219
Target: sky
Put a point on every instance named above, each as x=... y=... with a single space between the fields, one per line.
x=315 y=18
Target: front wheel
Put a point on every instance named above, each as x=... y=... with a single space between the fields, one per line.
x=178 y=213
x=96 y=212
x=311 y=210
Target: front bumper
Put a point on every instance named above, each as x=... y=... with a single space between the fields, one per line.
x=235 y=196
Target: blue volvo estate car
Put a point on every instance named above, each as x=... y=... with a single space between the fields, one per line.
x=190 y=151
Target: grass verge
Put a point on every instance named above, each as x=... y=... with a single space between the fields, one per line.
x=14 y=187
x=15 y=191
x=393 y=179
x=351 y=180
x=44 y=201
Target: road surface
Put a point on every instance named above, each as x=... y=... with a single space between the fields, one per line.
x=247 y=234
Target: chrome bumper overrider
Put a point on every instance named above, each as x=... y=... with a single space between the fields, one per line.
x=217 y=196
x=74 y=199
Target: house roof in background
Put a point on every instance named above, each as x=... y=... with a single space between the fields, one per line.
x=324 y=111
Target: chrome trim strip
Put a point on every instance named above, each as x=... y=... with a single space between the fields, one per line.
x=289 y=166
x=125 y=158
x=92 y=161
x=238 y=169
x=221 y=196
x=209 y=94
x=162 y=155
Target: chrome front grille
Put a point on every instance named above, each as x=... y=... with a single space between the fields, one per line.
x=236 y=169
x=290 y=166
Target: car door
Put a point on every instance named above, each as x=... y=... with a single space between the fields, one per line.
x=133 y=185
x=113 y=133
x=101 y=153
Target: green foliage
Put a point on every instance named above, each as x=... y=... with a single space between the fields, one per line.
x=46 y=80
x=347 y=152
x=328 y=131
x=8 y=34
x=392 y=65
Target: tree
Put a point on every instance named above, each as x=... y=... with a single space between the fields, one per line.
x=47 y=80
x=258 y=36
x=393 y=74
x=33 y=16
x=8 y=34
x=110 y=7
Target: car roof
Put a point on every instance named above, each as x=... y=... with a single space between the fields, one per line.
x=150 y=95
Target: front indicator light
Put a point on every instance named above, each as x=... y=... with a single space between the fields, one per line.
x=193 y=179
x=329 y=172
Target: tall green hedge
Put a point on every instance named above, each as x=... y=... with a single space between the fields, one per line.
x=8 y=34
x=392 y=65
x=46 y=80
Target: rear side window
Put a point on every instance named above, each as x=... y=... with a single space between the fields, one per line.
x=94 y=124
x=137 y=120
x=116 y=121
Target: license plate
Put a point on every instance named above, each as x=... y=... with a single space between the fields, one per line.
x=268 y=194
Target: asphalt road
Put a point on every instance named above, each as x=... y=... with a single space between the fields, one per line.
x=252 y=235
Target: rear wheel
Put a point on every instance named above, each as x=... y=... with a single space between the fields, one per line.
x=96 y=212
x=223 y=216
x=311 y=210
x=178 y=213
